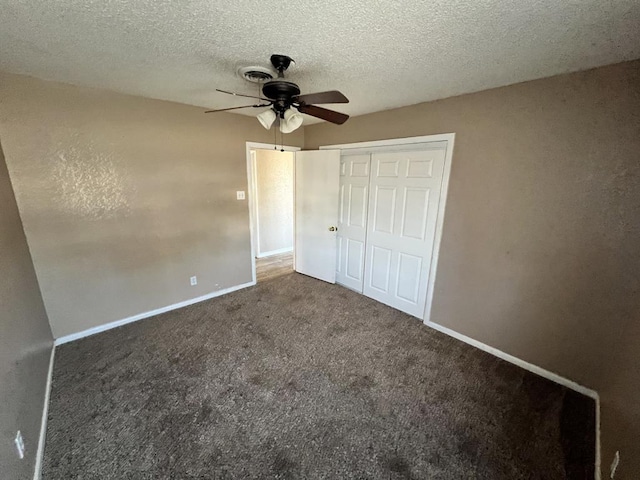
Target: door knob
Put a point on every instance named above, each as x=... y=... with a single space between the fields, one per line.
x=333 y=229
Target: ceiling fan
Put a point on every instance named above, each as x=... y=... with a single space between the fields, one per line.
x=281 y=95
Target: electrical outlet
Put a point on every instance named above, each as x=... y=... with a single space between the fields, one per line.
x=194 y=280
x=614 y=464
x=19 y=444
x=240 y=195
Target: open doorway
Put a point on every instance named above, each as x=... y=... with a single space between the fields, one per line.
x=271 y=199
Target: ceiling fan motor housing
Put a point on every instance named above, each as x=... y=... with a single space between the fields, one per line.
x=281 y=92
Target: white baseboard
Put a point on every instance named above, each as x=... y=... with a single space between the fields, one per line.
x=554 y=377
x=598 y=451
x=141 y=316
x=274 y=252
x=516 y=361
x=43 y=422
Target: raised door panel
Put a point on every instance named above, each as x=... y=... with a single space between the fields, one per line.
x=359 y=166
x=420 y=168
x=415 y=207
x=357 y=206
x=408 y=277
x=387 y=168
x=380 y=269
x=354 y=267
x=384 y=209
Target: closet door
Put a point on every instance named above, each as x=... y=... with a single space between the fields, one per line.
x=403 y=206
x=352 y=220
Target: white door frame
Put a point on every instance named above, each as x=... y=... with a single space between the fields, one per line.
x=252 y=196
x=404 y=142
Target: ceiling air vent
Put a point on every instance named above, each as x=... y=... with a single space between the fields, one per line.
x=255 y=74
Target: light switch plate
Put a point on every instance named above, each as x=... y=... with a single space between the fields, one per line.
x=240 y=195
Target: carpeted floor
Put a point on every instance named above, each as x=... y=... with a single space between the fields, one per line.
x=295 y=378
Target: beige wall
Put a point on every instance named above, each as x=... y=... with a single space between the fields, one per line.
x=540 y=255
x=25 y=341
x=124 y=198
x=274 y=187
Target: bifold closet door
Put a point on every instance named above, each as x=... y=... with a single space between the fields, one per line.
x=403 y=207
x=352 y=220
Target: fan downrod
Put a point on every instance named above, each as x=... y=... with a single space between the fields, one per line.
x=279 y=90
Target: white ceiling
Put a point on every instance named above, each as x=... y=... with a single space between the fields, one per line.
x=382 y=54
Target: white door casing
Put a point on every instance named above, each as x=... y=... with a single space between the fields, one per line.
x=402 y=214
x=252 y=196
x=352 y=220
x=317 y=182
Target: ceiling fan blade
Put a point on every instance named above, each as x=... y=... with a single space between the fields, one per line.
x=241 y=95
x=332 y=96
x=236 y=108
x=324 y=113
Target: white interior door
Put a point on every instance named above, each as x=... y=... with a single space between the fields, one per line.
x=403 y=209
x=352 y=220
x=317 y=183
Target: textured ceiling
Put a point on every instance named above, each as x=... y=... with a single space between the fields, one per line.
x=382 y=54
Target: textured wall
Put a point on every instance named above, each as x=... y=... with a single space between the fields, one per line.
x=124 y=198
x=540 y=255
x=274 y=185
x=25 y=340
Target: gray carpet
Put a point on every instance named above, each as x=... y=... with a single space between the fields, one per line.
x=295 y=378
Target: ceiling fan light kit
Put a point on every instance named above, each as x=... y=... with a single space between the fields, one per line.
x=281 y=95
x=267 y=118
x=291 y=121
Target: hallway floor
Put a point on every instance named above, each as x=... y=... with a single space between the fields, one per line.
x=274 y=266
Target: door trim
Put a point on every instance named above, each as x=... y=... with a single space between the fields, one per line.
x=393 y=142
x=252 y=196
x=404 y=142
